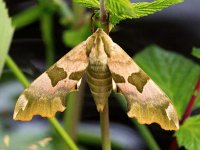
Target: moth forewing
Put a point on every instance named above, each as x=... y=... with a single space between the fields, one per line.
x=46 y=95
x=146 y=101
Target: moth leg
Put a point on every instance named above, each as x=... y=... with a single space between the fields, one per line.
x=78 y=84
x=114 y=86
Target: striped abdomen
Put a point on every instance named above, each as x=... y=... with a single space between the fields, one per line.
x=100 y=83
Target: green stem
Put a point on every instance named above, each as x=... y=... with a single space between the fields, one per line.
x=21 y=77
x=74 y=105
x=104 y=116
x=46 y=25
x=146 y=134
x=18 y=73
x=104 y=120
x=26 y=17
x=70 y=125
x=63 y=134
x=87 y=137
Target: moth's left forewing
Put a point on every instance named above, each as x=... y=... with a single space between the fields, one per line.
x=46 y=95
x=146 y=101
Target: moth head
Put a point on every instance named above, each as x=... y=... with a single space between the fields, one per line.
x=99 y=38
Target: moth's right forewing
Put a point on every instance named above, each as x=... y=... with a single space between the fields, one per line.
x=146 y=101
x=46 y=95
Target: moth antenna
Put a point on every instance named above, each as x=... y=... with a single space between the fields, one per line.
x=92 y=23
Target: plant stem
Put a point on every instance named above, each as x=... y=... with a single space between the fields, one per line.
x=26 y=17
x=105 y=134
x=104 y=116
x=103 y=15
x=85 y=137
x=188 y=110
x=63 y=134
x=146 y=134
x=46 y=25
x=191 y=102
x=74 y=107
x=17 y=72
x=144 y=131
x=21 y=77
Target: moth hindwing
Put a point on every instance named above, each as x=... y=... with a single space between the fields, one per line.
x=106 y=65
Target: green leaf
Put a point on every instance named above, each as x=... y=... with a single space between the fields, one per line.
x=88 y=3
x=6 y=31
x=175 y=74
x=145 y=8
x=74 y=36
x=124 y=9
x=188 y=135
x=119 y=10
x=196 y=52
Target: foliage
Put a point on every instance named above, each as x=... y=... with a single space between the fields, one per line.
x=196 y=52
x=73 y=37
x=26 y=17
x=6 y=30
x=188 y=135
x=124 y=9
x=88 y=3
x=166 y=69
x=119 y=10
x=147 y=8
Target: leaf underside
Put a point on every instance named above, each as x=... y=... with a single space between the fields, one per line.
x=6 y=31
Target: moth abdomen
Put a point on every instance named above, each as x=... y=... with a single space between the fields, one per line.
x=100 y=83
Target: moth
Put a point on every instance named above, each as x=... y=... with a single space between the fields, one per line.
x=107 y=67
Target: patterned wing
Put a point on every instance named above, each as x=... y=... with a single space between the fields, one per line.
x=46 y=95
x=146 y=101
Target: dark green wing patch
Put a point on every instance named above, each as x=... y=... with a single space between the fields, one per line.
x=76 y=75
x=56 y=74
x=138 y=79
x=118 y=78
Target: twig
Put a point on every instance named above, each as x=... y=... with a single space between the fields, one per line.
x=188 y=110
x=191 y=102
x=103 y=15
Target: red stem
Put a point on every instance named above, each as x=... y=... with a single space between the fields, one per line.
x=174 y=145
x=191 y=102
x=92 y=23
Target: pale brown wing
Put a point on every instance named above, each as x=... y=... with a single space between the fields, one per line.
x=146 y=101
x=46 y=95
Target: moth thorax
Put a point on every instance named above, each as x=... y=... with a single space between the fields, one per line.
x=100 y=83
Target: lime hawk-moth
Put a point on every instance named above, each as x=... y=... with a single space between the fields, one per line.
x=107 y=67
